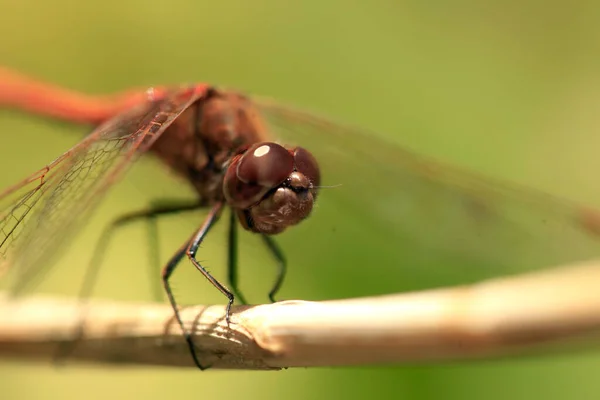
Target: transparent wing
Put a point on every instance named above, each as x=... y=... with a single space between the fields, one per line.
x=40 y=214
x=408 y=222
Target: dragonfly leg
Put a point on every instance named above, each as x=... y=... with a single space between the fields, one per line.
x=281 y=265
x=193 y=249
x=232 y=260
x=166 y=208
x=190 y=249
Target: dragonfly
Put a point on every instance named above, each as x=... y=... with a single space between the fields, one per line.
x=225 y=145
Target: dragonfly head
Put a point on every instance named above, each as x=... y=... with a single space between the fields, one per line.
x=271 y=187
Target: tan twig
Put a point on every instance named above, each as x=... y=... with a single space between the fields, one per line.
x=496 y=318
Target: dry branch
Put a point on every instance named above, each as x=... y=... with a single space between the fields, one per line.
x=495 y=318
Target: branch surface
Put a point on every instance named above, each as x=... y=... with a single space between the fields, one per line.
x=496 y=318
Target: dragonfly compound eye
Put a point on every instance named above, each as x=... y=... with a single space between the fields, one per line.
x=258 y=170
x=307 y=165
x=265 y=164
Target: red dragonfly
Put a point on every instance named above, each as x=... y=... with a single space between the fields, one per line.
x=219 y=141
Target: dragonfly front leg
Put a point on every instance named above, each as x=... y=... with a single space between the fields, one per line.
x=189 y=249
x=193 y=249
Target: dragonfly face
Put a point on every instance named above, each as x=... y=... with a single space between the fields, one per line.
x=272 y=187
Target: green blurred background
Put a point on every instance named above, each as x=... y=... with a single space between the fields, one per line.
x=508 y=89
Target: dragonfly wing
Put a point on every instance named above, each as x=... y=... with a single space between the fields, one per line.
x=418 y=217
x=39 y=215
